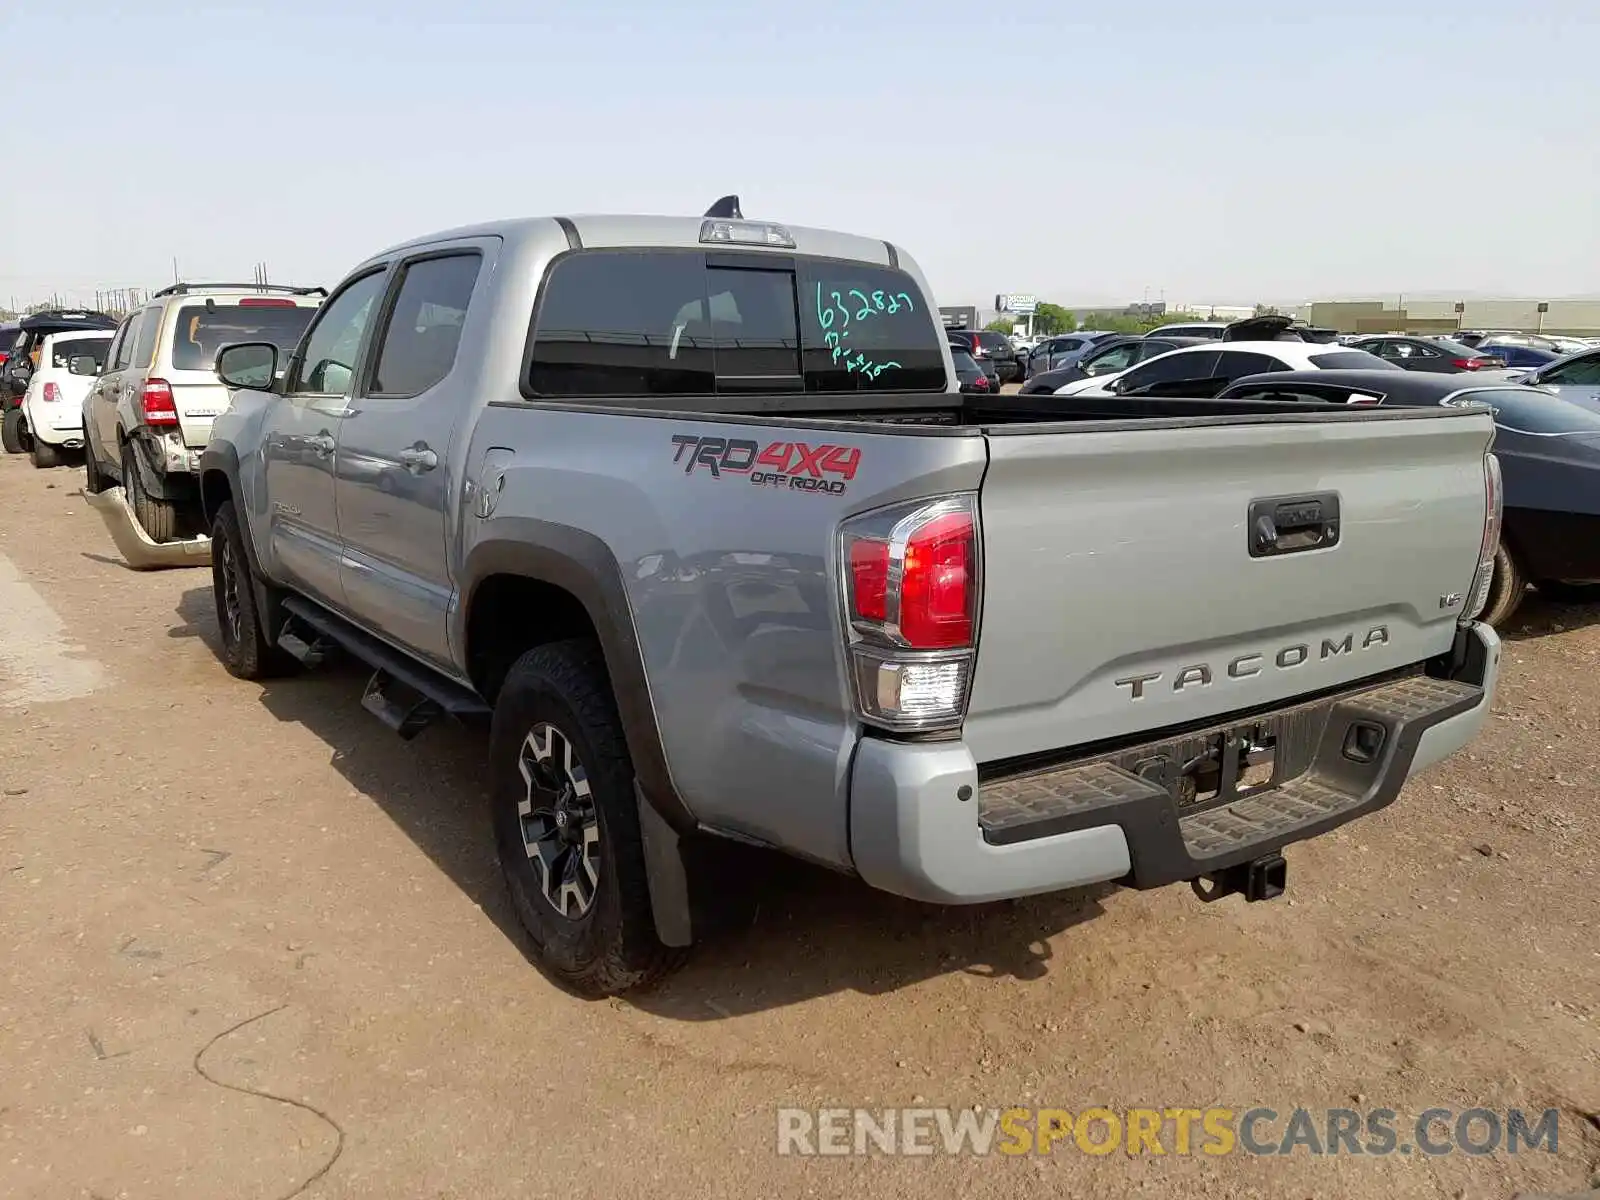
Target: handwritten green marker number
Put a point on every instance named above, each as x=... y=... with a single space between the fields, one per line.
x=836 y=319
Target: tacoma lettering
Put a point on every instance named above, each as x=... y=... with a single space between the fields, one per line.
x=1245 y=666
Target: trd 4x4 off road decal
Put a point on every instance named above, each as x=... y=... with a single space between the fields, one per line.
x=798 y=466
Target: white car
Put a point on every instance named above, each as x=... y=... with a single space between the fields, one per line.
x=52 y=408
x=1213 y=367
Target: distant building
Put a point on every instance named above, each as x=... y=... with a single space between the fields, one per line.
x=1580 y=318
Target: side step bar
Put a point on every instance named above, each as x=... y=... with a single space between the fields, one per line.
x=403 y=694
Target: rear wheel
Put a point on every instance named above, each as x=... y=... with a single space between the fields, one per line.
x=44 y=454
x=11 y=432
x=567 y=823
x=1563 y=592
x=158 y=517
x=1506 y=588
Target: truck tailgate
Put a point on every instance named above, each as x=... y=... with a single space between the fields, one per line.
x=1121 y=589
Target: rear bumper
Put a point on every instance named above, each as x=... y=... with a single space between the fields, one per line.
x=165 y=453
x=61 y=430
x=1091 y=821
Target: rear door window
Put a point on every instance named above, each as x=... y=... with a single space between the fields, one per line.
x=1351 y=360
x=1236 y=365
x=1118 y=358
x=1170 y=368
x=424 y=329
x=201 y=330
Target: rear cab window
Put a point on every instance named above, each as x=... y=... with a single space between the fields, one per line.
x=64 y=349
x=1350 y=360
x=643 y=323
x=201 y=328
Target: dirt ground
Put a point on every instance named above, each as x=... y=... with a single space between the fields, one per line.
x=257 y=947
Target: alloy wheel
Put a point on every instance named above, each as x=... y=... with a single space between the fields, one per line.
x=560 y=828
x=232 y=611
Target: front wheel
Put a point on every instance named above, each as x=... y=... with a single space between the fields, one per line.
x=11 y=432
x=94 y=480
x=248 y=649
x=567 y=826
x=1506 y=588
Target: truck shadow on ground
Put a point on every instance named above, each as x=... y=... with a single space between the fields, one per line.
x=770 y=931
x=1538 y=617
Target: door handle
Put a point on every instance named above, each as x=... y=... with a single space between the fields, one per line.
x=323 y=444
x=418 y=458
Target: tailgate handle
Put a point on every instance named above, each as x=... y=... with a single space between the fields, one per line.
x=1289 y=524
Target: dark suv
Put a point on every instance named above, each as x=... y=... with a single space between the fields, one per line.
x=989 y=347
x=27 y=335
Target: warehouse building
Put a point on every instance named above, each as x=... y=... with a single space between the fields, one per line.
x=1579 y=318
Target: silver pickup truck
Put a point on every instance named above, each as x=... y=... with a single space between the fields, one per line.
x=690 y=511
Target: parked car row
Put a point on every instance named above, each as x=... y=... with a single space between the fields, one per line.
x=1548 y=422
x=136 y=398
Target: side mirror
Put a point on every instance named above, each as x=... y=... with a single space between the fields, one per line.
x=252 y=365
x=16 y=383
x=83 y=364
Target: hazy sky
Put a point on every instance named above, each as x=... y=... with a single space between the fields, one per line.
x=1217 y=151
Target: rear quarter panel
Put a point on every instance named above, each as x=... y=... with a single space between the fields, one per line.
x=732 y=585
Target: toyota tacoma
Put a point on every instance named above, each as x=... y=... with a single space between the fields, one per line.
x=691 y=512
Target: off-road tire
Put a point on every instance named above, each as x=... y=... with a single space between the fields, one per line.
x=44 y=455
x=1563 y=592
x=11 y=434
x=1506 y=588
x=612 y=947
x=94 y=480
x=248 y=652
x=159 y=518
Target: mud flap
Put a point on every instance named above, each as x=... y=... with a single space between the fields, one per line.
x=136 y=546
x=669 y=883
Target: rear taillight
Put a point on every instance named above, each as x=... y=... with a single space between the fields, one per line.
x=51 y=393
x=264 y=302
x=1493 y=502
x=912 y=587
x=1470 y=364
x=156 y=403
x=981 y=382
